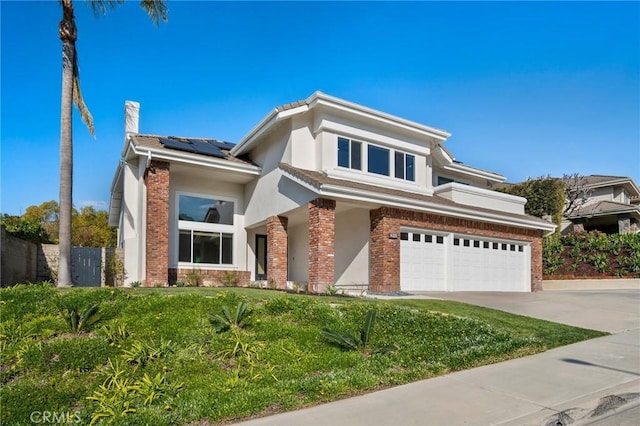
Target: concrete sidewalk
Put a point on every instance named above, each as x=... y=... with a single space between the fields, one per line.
x=526 y=391
x=575 y=384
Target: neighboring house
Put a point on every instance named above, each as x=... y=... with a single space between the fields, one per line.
x=321 y=192
x=611 y=207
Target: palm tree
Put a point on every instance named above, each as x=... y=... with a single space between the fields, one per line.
x=71 y=94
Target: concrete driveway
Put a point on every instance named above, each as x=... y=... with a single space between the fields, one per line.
x=612 y=311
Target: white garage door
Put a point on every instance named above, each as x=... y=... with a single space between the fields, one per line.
x=431 y=261
x=489 y=265
x=423 y=263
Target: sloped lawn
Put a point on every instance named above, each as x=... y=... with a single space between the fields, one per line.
x=155 y=358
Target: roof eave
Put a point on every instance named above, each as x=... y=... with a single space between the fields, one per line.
x=342 y=192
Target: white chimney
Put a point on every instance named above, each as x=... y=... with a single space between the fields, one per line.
x=131 y=116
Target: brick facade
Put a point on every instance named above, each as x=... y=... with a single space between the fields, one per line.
x=157 y=235
x=277 y=240
x=207 y=277
x=384 y=252
x=322 y=217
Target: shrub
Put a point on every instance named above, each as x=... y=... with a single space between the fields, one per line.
x=230 y=278
x=349 y=341
x=230 y=320
x=79 y=319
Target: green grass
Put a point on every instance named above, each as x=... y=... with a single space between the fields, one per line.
x=156 y=359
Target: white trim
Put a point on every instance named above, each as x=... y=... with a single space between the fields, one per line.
x=197 y=160
x=345 y=193
x=320 y=99
x=486 y=193
x=472 y=171
x=189 y=225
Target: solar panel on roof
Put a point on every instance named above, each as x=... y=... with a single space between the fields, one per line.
x=181 y=146
x=207 y=149
x=211 y=148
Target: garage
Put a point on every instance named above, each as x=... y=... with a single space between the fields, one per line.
x=434 y=261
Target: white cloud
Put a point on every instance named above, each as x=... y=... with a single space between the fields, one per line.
x=95 y=204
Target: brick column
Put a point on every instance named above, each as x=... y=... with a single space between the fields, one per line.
x=277 y=262
x=536 y=263
x=157 y=244
x=384 y=253
x=322 y=218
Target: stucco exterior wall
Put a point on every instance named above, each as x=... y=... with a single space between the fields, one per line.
x=132 y=220
x=299 y=253
x=352 y=247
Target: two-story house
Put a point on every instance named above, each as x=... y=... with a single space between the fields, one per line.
x=322 y=192
x=611 y=206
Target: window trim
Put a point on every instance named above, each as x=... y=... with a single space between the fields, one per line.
x=409 y=160
x=195 y=226
x=351 y=144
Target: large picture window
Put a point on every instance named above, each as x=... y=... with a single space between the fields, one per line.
x=205 y=230
x=215 y=248
x=206 y=210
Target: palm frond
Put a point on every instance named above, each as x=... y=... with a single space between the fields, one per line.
x=156 y=9
x=78 y=100
x=101 y=7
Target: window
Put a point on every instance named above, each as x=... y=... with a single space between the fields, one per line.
x=205 y=230
x=439 y=239
x=443 y=180
x=349 y=154
x=205 y=210
x=416 y=237
x=404 y=236
x=404 y=166
x=378 y=161
x=428 y=238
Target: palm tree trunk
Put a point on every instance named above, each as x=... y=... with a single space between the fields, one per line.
x=68 y=37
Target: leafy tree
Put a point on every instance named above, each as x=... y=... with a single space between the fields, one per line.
x=40 y=225
x=545 y=197
x=22 y=228
x=90 y=228
x=46 y=215
x=71 y=94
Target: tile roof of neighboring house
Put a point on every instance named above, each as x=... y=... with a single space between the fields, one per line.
x=153 y=141
x=291 y=105
x=598 y=179
x=319 y=179
x=602 y=208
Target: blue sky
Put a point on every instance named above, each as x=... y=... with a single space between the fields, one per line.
x=526 y=89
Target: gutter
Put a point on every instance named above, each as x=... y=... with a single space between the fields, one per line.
x=341 y=192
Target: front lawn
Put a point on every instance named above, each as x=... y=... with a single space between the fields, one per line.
x=156 y=358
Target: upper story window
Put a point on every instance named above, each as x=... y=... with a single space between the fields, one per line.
x=376 y=159
x=405 y=166
x=206 y=210
x=206 y=230
x=349 y=154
